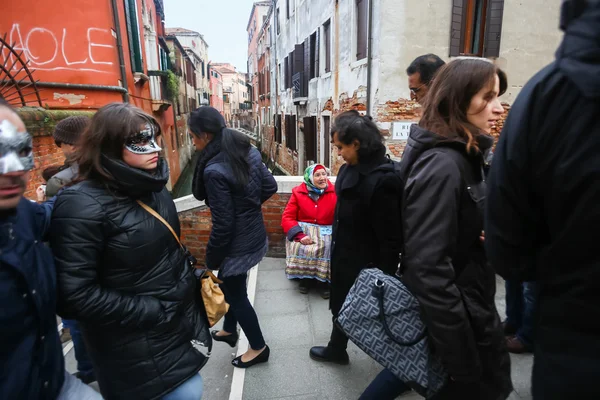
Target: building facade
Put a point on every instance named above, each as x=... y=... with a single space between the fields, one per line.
x=216 y=89
x=95 y=56
x=258 y=18
x=321 y=62
x=197 y=49
x=237 y=103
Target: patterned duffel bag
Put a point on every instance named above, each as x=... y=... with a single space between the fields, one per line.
x=383 y=319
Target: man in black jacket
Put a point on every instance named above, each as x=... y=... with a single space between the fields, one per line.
x=543 y=207
x=31 y=358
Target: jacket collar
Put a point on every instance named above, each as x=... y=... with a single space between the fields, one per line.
x=355 y=173
x=136 y=182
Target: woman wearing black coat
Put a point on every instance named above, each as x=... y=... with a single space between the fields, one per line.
x=443 y=260
x=121 y=273
x=233 y=181
x=366 y=228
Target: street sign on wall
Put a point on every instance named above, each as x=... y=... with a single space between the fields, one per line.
x=401 y=130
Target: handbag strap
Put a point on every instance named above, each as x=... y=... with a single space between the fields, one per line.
x=379 y=294
x=207 y=273
x=161 y=219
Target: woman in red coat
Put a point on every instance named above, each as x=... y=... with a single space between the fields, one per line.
x=307 y=221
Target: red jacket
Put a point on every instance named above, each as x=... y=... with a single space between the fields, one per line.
x=301 y=208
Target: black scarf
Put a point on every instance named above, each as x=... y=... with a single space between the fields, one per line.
x=209 y=152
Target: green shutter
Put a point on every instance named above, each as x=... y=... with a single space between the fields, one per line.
x=133 y=33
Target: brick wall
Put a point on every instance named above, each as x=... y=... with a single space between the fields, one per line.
x=195 y=219
x=40 y=124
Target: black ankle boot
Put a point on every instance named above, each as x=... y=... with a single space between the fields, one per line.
x=229 y=339
x=329 y=354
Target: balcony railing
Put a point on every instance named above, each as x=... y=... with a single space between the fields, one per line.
x=159 y=90
x=298 y=86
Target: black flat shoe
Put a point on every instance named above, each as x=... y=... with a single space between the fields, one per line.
x=229 y=339
x=328 y=354
x=263 y=357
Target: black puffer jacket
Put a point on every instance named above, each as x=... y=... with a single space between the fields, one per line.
x=444 y=263
x=238 y=228
x=122 y=275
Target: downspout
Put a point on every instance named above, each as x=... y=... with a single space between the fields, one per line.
x=120 y=51
x=369 y=57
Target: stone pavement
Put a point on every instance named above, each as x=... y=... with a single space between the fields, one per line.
x=292 y=323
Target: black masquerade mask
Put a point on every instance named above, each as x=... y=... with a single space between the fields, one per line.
x=15 y=149
x=143 y=142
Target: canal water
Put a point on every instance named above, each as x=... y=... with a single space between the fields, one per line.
x=183 y=187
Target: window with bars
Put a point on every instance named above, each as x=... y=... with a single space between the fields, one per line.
x=327 y=45
x=133 y=34
x=362 y=28
x=476 y=28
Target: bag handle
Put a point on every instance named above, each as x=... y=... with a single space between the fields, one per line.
x=378 y=289
x=156 y=215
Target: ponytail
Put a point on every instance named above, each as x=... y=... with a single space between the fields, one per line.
x=235 y=146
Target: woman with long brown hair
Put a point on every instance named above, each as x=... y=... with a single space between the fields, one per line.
x=121 y=273
x=443 y=261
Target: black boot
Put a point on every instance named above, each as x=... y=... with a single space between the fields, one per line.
x=329 y=354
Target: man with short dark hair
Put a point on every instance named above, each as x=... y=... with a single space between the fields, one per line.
x=420 y=74
x=32 y=365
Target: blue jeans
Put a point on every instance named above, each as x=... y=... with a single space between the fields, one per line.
x=521 y=304
x=189 y=390
x=240 y=310
x=385 y=386
x=84 y=364
x=74 y=389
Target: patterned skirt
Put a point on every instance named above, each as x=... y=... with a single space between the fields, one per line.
x=310 y=261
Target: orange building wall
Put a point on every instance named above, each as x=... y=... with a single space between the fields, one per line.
x=74 y=42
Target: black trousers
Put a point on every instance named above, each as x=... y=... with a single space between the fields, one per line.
x=338 y=340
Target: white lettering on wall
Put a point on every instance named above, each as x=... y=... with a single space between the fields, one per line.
x=35 y=42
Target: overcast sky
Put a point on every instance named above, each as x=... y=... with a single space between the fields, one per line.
x=222 y=22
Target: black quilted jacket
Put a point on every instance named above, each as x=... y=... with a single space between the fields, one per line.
x=238 y=228
x=122 y=275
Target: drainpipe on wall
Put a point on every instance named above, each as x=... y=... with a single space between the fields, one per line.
x=120 y=51
x=369 y=57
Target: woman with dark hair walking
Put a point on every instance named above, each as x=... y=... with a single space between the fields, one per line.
x=366 y=225
x=121 y=273
x=443 y=260
x=233 y=181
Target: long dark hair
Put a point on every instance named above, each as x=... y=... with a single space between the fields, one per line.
x=350 y=126
x=450 y=94
x=234 y=145
x=107 y=134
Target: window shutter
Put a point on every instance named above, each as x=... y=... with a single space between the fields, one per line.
x=307 y=61
x=298 y=58
x=493 y=28
x=293 y=132
x=317 y=49
x=327 y=29
x=362 y=22
x=457 y=28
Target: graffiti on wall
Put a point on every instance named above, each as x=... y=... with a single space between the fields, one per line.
x=90 y=50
